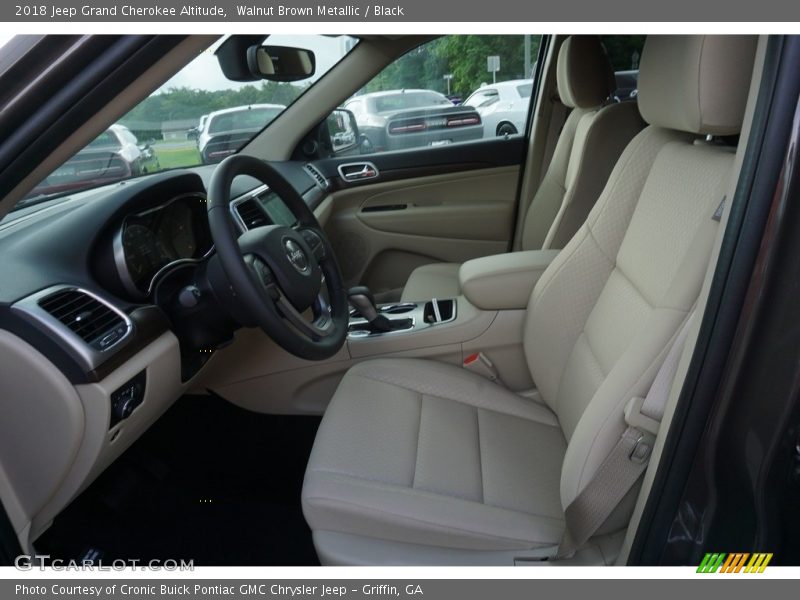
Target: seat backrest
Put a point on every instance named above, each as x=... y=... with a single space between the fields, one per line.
x=602 y=316
x=588 y=147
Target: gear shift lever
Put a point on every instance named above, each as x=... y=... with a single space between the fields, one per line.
x=363 y=301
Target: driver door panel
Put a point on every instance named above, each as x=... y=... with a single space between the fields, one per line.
x=432 y=205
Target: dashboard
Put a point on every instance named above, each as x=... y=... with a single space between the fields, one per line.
x=151 y=240
x=119 y=244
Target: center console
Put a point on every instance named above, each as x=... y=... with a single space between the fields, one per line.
x=487 y=316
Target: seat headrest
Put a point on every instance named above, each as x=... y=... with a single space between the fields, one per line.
x=696 y=83
x=583 y=72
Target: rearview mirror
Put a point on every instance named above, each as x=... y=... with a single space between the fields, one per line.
x=280 y=63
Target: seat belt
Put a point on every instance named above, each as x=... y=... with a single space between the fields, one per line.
x=627 y=460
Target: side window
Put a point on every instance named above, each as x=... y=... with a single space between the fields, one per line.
x=455 y=89
x=625 y=51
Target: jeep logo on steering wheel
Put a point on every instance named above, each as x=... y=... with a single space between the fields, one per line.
x=296 y=256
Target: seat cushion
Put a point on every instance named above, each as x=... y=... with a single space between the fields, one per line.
x=439 y=280
x=425 y=452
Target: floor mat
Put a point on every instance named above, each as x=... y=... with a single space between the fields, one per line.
x=209 y=482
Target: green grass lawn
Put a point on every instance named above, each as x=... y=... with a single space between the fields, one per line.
x=172 y=158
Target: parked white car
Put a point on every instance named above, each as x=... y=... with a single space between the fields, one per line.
x=503 y=106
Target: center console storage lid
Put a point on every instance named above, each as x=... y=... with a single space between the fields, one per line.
x=503 y=281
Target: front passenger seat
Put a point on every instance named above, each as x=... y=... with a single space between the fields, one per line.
x=593 y=137
x=418 y=461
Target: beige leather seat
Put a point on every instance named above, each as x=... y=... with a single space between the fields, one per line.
x=588 y=147
x=423 y=462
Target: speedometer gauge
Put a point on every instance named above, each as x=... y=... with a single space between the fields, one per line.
x=142 y=254
x=181 y=233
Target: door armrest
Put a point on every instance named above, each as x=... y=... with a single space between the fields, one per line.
x=503 y=281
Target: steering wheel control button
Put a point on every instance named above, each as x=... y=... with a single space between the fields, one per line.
x=314 y=242
x=263 y=272
x=127 y=398
x=297 y=257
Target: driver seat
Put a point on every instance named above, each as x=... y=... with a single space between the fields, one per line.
x=420 y=462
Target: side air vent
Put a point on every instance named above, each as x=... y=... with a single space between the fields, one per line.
x=251 y=215
x=317 y=176
x=93 y=321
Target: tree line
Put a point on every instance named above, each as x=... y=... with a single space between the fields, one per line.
x=462 y=56
x=188 y=103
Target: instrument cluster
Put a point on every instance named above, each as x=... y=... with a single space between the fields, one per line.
x=151 y=241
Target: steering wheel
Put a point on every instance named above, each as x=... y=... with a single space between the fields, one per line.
x=277 y=272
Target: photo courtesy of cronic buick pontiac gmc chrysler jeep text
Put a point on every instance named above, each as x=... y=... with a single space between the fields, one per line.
x=286 y=300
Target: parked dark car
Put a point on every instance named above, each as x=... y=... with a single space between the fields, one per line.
x=114 y=155
x=400 y=119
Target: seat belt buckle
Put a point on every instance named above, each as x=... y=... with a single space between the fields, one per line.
x=480 y=364
x=640 y=453
x=645 y=429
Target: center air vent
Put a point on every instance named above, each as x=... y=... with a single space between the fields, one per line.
x=251 y=214
x=90 y=319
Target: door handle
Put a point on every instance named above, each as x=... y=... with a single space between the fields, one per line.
x=359 y=171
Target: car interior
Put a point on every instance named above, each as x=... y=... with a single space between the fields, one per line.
x=459 y=354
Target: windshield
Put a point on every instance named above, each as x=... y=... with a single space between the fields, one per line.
x=198 y=117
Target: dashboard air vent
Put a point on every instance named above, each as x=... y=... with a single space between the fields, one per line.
x=91 y=320
x=317 y=176
x=251 y=214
